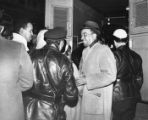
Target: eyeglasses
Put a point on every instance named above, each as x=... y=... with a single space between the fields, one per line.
x=86 y=34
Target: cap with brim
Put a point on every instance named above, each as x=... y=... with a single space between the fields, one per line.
x=120 y=35
x=57 y=33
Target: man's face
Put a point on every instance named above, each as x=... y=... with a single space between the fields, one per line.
x=28 y=32
x=87 y=36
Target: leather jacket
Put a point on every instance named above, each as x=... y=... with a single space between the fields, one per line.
x=129 y=74
x=54 y=86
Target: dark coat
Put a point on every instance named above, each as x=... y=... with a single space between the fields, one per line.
x=129 y=74
x=16 y=75
x=54 y=86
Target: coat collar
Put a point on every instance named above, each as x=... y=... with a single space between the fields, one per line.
x=93 y=43
x=18 y=38
x=123 y=47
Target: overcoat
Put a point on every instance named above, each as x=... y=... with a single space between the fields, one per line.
x=99 y=66
x=16 y=75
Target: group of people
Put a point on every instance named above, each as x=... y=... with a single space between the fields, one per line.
x=105 y=86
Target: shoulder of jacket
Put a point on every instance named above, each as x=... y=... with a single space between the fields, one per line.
x=13 y=44
x=136 y=55
x=103 y=48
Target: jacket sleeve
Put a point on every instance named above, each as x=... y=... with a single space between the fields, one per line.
x=139 y=75
x=71 y=91
x=107 y=73
x=26 y=71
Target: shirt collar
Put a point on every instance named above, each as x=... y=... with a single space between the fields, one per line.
x=92 y=44
x=18 y=38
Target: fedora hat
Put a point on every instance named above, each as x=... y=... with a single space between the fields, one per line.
x=93 y=26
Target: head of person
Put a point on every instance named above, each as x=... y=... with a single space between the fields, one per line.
x=55 y=37
x=90 y=33
x=7 y=32
x=120 y=37
x=25 y=28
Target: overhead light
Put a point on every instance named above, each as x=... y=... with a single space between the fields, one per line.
x=127 y=8
x=108 y=21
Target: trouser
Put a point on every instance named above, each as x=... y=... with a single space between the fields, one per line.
x=124 y=110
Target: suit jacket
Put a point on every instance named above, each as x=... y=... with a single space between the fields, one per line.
x=99 y=67
x=16 y=75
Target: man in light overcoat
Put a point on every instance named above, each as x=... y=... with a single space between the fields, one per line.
x=98 y=72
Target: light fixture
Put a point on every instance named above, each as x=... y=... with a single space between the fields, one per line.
x=108 y=21
x=127 y=8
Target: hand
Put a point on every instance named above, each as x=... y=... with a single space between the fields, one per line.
x=81 y=81
x=80 y=89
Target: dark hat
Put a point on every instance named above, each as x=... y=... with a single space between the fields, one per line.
x=55 y=34
x=93 y=26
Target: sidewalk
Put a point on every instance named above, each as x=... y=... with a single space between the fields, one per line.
x=142 y=111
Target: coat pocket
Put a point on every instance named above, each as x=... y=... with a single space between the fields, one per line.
x=93 y=103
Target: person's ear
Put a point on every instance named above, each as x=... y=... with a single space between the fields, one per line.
x=94 y=36
x=61 y=44
x=21 y=31
x=115 y=43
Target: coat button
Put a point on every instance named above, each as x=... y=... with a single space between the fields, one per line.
x=98 y=94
